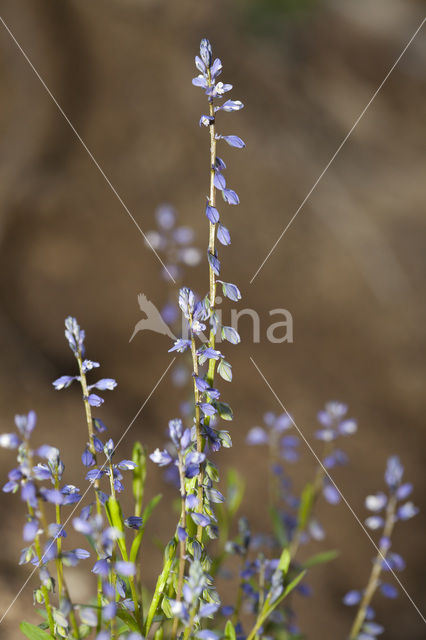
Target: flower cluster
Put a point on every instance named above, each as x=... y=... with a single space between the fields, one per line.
x=387 y=510
x=174 y=243
x=185 y=603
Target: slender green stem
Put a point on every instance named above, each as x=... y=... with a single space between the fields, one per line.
x=212 y=229
x=161 y=584
x=261 y=590
x=62 y=585
x=373 y=581
x=182 y=543
x=32 y=514
x=212 y=301
x=188 y=629
x=44 y=589
x=200 y=443
x=89 y=420
x=59 y=567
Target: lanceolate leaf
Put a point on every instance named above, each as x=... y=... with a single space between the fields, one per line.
x=320 y=558
x=33 y=632
x=134 y=550
x=139 y=475
x=115 y=517
x=230 y=631
x=305 y=507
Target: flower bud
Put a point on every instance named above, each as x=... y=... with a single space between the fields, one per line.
x=206 y=52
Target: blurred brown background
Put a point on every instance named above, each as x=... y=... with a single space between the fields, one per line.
x=350 y=269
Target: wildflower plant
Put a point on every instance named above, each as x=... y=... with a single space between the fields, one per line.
x=185 y=602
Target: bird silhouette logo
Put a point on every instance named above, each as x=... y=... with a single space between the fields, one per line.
x=153 y=321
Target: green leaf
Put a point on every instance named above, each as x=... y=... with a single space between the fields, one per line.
x=128 y=619
x=169 y=556
x=305 y=507
x=33 y=632
x=288 y=589
x=224 y=369
x=278 y=526
x=320 y=558
x=115 y=517
x=134 y=550
x=150 y=508
x=212 y=471
x=165 y=605
x=284 y=562
x=224 y=410
x=230 y=631
x=159 y=634
x=234 y=491
x=139 y=476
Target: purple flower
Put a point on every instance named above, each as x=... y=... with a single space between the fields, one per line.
x=256 y=436
x=231 y=291
x=165 y=216
x=394 y=561
x=230 y=196
x=214 y=263
x=182 y=534
x=374 y=522
x=223 y=235
x=9 y=441
x=125 y=568
x=133 y=522
x=232 y=105
x=26 y=423
x=127 y=465
x=106 y=384
x=30 y=530
x=94 y=400
x=394 y=472
x=75 y=336
x=206 y=52
x=233 y=141
x=63 y=382
x=330 y=493
x=87 y=458
x=180 y=345
x=407 y=511
x=99 y=425
x=207 y=408
x=162 y=458
x=88 y=365
x=54 y=496
x=352 y=598
x=101 y=567
x=83 y=526
x=376 y=502
x=212 y=213
x=207 y=353
x=219 y=180
x=388 y=590
x=404 y=491
x=200 y=519
x=206 y=121
x=95 y=474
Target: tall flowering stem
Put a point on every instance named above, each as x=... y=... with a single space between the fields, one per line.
x=385 y=560
x=373 y=581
